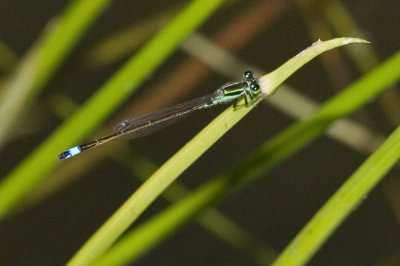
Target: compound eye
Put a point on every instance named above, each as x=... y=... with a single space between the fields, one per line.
x=248 y=75
x=254 y=87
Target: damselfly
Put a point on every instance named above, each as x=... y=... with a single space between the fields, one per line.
x=248 y=89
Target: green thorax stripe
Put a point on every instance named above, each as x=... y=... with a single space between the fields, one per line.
x=235 y=89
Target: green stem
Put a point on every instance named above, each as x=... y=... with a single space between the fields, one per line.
x=342 y=203
x=168 y=172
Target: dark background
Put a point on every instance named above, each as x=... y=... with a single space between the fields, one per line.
x=274 y=208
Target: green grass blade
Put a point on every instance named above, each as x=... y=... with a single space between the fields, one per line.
x=138 y=241
x=29 y=172
x=41 y=62
x=342 y=203
x=272 y=153
x=179 y=162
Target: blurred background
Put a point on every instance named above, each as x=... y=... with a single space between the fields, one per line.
x=58 y=215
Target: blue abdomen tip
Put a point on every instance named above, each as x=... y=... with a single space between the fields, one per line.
x=69 y=153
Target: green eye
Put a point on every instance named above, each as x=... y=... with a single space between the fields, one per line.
x=254 y=87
